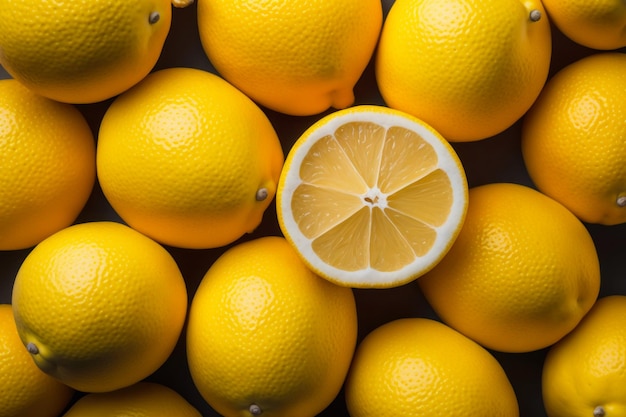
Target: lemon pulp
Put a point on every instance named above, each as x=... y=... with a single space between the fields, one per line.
x=371 y=197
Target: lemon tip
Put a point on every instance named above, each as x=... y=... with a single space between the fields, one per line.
x=342 y=98
x=182 y=3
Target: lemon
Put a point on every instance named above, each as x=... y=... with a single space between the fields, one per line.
x=187 y=159
x=597 y=24
x=371 y=197
x=99 y=306
x=82 y=52
x=574 y=135
x=298 y=57
x=584 y=374
x=47 y=165
x=266 y=336
x=25 y=391
x=421 y=367
x=469 y=68
x=521 y=274
x=143 y=399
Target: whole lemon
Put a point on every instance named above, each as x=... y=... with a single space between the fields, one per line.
x=82 y=52
x=266 y=336
x=99 y=306
x=595 y=24
x=522 y=273
x=143 y=399
x=187 y=159
x=421 y=367
x=469 y=68
x=47 y=165
x=574 y=138
x=298 y=57
x=25 y=391
x=584 y=374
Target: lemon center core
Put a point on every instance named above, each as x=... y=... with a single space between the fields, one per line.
x=375 y=197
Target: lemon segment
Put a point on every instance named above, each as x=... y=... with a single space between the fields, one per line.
x=371 y=197
x=329 y=166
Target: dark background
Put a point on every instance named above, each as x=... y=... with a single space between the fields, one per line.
x=496 y=159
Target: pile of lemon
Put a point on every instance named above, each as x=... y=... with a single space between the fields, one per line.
x=270 y=208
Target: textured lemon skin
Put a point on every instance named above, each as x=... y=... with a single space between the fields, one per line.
x=574 y=135
x=143 y=399
x=69 y=52
x=420 y=367
x=522 y=273
x=182 y=157
x=469 y=68
x=297 y=57
x=597 y=24
x=25 y=391
x=587 y=368
x=265 y=331
x=47 y=166
x=102 y=304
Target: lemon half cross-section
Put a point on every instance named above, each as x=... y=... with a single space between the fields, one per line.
x=371 y=197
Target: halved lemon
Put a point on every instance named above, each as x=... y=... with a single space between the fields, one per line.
x=371 y=197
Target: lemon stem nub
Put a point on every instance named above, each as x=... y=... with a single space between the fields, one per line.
x=154 y=17
x=255 y=410
x=32 y=348
x=261 y=194
x=621 y=201
x=599 y=411
x=535 y=15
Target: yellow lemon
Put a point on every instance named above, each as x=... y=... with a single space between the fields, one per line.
x=47 y=165
x=371 y=197
x=520 y=276
x=82 y=52
x=143 y=399
x=298 y=57
x=187 y=159
x=574 y=137
x=25 y=391
x=584 y=374
x=595 y=24
x=469 y=68
x=266 y=336
x=99 y=306
x=421 y=367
